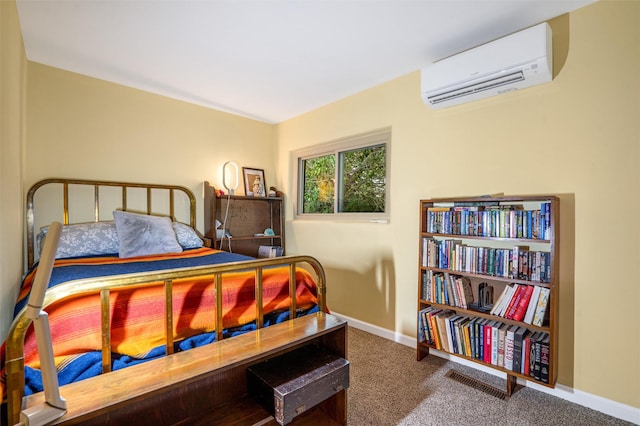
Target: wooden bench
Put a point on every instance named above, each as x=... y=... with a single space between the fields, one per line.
x=204 y=385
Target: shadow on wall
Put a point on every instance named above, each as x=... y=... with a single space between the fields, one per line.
x=566 y=316
x=368 y=295
x=560 y=29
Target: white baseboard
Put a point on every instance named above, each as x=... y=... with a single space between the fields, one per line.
x=606 y=406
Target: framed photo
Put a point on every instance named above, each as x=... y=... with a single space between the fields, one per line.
x=254 y=185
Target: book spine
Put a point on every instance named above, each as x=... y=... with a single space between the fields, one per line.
x=517 y=349
x=547 y=221
x=480 y=339
x=501 y=345
x=455 y=337
x=494 y=344
x=537 y=360
x=533 y=303
x=515 y=301
x=425 y=325
x=544 y=360
x=508 y=348
x=510 y=301
x=434 y=328
x=523 y=304
x=451 y=340
x=442 y=330
x=532 y=353
x=515 y=254
x=541 y=307
x=487 y=342
x=473 y=337
x=526 y=346
x=466 y=331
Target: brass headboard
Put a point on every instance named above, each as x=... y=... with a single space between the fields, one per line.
x=124 y=186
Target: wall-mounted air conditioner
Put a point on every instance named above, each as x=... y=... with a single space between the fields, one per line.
x=519 y=60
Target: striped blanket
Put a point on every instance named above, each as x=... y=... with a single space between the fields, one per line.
x=137 y=315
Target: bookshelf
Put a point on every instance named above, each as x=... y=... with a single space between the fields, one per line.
x=488 y=283
x=246 y=219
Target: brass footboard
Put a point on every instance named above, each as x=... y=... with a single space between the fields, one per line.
x=104 y=285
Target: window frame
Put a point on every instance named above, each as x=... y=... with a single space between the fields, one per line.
x=370 y=139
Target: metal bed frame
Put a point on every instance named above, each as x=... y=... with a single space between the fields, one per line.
x=104 y=285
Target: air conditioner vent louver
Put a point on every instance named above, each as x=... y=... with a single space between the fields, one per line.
x=479 y=87
x=514 y=62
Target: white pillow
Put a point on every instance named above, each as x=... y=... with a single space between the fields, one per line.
x=187 y=237
x=83 y=239
x=142 y=235
x=100 y=238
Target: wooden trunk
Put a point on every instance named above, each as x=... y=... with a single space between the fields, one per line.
x=293 y=383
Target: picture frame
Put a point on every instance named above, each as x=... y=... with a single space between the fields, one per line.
x=254 y=183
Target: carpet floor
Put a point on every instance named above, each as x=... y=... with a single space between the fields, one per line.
x=389 y=387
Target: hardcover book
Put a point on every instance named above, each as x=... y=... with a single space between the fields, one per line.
x=544 y=359
x=526 y=345
x=508 y=347
x=533 y=303
x=509 y=299
x=515 y=301
x=532 y=353
x=495 y=343
x=443 y=329
x=451 y=335
x=518 y=343
x=541 y=308
x=521 y=309
x=488 y=332
x=502 y=331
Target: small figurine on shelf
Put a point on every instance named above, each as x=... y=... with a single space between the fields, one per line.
x=273 y=192
x=220 y=192
x=258 y=187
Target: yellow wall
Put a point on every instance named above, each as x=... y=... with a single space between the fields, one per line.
x=577 y=137
x=87 y=128
x=12 y=105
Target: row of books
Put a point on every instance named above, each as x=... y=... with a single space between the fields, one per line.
x=504 y=221
x=447 y=289
x=526 y=303
x=511 y=347
x=517 y=262
x=517 y=302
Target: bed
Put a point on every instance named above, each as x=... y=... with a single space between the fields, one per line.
x=155 y=312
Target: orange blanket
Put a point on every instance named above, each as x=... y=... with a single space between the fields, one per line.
x=137 y=316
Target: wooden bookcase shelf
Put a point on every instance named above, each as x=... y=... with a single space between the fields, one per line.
x=477 y=254
x=246 y=219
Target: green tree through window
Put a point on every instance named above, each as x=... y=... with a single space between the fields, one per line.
x=350 y=179
x=319 y=184
x=363 y=180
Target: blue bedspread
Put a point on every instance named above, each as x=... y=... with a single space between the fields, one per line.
x=137 y=317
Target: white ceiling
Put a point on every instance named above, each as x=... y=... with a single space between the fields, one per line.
x=265 y=59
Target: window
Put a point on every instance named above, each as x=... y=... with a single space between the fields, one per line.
x=347 y=179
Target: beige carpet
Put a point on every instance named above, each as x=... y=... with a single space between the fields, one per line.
x=389 y=387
